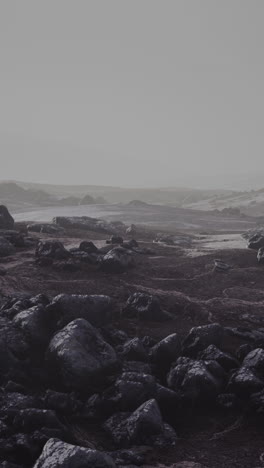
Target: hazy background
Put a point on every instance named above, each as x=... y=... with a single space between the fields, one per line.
x=132 y=92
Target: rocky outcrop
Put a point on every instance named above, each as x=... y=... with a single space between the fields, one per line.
x=6 y=220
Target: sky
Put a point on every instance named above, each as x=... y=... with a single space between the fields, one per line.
x=132 y=92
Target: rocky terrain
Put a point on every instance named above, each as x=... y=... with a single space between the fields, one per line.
x=124 y=346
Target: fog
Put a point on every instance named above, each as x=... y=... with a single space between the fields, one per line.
x=132 y=93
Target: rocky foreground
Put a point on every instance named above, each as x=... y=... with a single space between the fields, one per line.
x=117 y=351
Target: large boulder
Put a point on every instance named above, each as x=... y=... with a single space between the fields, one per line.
x=143 y=426
x=96 y=309
x=250 y=377
x=6 y=248
x=57 y=454
x=117 y=260
x=256 y=242
x=6 y=220
x=212 y=353
x=144 y=307
x=166 y=351
x=196 y=380
x=79 y=358
x=36 y=324
x=52 y=249
x=201 y=337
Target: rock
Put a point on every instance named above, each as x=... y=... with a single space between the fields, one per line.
x=166 y=351
x=221 y=266
x=79 y=358
x=6 y=220
x=44 y=228
x=201 y=337
x=14 y=237
x=256 y=242
x=212 y=353
x=131 y=244
x=60 y=454
x=6 y=248
x=133 y=350
x=117 y=260
x=143 y=426
x=52 y=249
x=88 y=224
x=227 y=401
x=244 y=382
x=115 y=240
x=88 y=247
x=36 y=324
x=96 y=309
x=132 y=389
x=260 y=255
x=255 y=361
x=144 y=307
x=131 y=230
x=30 y=419
x=63 y=403
x=196 y=380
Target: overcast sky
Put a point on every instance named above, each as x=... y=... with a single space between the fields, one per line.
x=131 y=92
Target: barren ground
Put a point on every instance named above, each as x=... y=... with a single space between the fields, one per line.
x=189 y=288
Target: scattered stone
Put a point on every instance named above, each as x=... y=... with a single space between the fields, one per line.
x=52 y=249
x=144 y=307
x=117 y=260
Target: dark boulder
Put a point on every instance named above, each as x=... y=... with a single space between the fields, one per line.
x=6 y=248
x=212 y=353
x=133 y=350
x=166 y=351
x=260 y=255
x=144 y=307
x=196 y=380
x=88 y=247
x=31 y=419
x=6 y=220
x=96 y=309
x=256 y=242
x=132 y=389
x=250 y=377
x=79 y=358
x=201 y=337
x=37 y=325
x=143 y=426
x=117 y=260
x=115 y=240
x=52 y=249
x=60 y=454
x=63 y=403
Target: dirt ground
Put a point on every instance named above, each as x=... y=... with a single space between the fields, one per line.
x=195 y=294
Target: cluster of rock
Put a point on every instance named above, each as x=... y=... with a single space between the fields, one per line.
x=63 y=365
x=116 y=257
